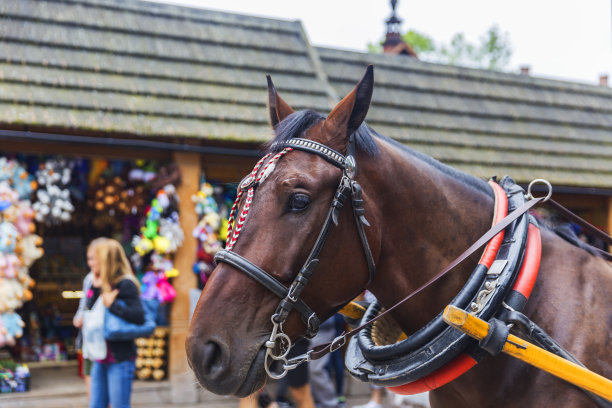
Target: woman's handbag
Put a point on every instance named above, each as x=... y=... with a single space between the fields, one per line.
x=94 y=344
x=115 y=328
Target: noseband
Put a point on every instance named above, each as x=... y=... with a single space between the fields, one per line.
x=278 y=345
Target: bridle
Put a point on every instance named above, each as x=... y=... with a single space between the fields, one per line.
x=278 y=345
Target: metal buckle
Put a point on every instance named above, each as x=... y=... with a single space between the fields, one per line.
x=350 y=166
x=248 y=182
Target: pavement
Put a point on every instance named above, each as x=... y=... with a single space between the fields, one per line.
x=61 y=387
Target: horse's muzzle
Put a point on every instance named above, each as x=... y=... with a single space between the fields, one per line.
x=210 y=361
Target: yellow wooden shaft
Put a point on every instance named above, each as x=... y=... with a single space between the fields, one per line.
x=532 y=354
x=353 y=310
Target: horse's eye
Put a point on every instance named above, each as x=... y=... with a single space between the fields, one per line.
x=299 y=202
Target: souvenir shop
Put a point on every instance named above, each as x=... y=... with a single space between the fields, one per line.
x=53 y=205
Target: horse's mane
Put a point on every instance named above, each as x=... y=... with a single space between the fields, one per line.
x=465 y=178
x=296 y=124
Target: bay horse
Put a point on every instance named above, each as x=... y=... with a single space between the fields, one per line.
x=420 y=215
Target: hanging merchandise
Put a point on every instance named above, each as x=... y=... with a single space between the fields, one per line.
x=19 y=247
x=159 y=238
x=13 y=377
x=211 y=231
x=53 y=205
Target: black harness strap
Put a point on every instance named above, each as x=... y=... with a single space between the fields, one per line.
x=347 y=186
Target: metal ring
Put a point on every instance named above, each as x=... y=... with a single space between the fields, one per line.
x=284 y=339
x=541 y=181
x=272 y=374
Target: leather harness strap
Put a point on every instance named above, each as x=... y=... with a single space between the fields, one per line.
x=323 y=349
x=591 y=229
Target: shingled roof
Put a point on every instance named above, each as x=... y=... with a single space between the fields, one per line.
x=152 y=70
x=486 y=123
x=148 y=69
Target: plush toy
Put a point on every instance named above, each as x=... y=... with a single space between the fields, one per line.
x=8 y=196
x=53 y=205
x=7 y=168
x=173 y=232
x=30 y=249
x=151 y=291
x=9 y=264
x=8 y=237
x=22 y=216
x=161 y=245
x=3 y=338
x=141 y=245
x=13 y=325
x=26 y=283
x=163 y=265
x=23 y=183
x=167 y=292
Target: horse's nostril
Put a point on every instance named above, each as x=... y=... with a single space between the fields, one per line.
x=213 y=360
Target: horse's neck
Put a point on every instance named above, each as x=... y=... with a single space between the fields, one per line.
x=429 y=218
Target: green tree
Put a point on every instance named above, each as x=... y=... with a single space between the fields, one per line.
x=420 y=43
x=492 y=52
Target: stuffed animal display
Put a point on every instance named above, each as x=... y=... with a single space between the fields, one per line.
x=53 y=205
x=159 y=238
x=211 y=230
x=19 y=246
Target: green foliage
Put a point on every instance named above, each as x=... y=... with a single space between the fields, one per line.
x=420 y=43
x=375 y=48
x=492 y=52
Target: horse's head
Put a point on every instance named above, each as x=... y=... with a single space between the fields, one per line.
x=281 y=212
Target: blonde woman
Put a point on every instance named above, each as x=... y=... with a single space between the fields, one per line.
x=111 y=378
x=91 y=280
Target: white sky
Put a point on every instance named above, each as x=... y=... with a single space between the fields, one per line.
x=562 y=39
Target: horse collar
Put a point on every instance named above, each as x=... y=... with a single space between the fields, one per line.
x=436 y=353
x=348 y=186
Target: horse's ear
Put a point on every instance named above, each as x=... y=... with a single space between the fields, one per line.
x=351 y=111
x=277 y=107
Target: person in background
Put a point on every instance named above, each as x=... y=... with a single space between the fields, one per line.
x=323 y=388
x=298 y=379
x=112 y=377
x=91 y=279
x=296 y=382
x=336 y=361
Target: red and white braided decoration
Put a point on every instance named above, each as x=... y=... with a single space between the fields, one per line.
x=235 y=231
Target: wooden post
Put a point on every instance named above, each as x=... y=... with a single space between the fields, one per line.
x=609 y=231
x=181 y=378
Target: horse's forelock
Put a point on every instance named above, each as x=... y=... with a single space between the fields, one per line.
x=296 y=124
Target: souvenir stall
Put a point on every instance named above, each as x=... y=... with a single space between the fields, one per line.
x=56 y=206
